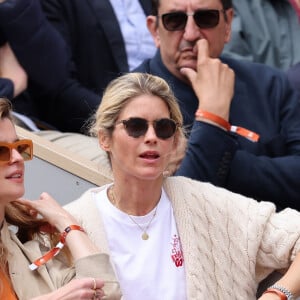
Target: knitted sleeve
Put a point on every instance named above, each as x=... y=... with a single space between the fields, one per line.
x=280 y=240
x=238 y=236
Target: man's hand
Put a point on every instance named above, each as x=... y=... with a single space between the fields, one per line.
x=213 y=82
x=11 y=69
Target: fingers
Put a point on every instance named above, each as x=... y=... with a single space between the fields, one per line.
x=46 y=196
x=98 y=293
x=94 y=286
x=45 y=201
x=50 y=210
x=81 y=289
x=95 y=283
x=34 y=203
x=189 y=73
x=203 y=50
x=202 y=56
x=212 y=81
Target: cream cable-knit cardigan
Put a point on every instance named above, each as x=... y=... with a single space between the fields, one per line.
x=230 y=242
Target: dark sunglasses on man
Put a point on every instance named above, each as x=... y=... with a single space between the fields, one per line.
x=24 y=147
x=164 y=128
x=204 y=18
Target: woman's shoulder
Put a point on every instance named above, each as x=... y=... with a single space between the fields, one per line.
x=86 y=200
x=186 y=183
x=190 y=190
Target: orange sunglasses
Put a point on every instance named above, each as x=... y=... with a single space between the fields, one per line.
x=24 y=147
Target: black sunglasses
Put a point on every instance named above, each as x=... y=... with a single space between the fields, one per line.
x=24 y=147
x=136 y=127
x=204 y=18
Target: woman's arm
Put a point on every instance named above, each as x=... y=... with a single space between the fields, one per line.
x=290 y=281
x=89 y=261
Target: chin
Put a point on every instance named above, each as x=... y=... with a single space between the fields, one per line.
x=19 y=193
x=150 y=175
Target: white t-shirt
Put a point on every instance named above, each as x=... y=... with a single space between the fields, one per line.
x=150 y=269
x=139 y=43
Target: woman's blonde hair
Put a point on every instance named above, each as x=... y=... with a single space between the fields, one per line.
x=123 y=89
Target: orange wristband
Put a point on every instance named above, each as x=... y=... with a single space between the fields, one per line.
x=55 y=250
x=67 y=230
x=214 y=118
x=281 y=295
x=250 y=135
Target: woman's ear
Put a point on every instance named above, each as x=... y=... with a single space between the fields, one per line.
x=180 y=143
x=104 y=140
x=178 y=153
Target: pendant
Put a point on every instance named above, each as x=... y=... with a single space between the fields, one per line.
x=145 y=236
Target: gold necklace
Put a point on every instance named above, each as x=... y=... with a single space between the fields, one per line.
x=145 y=235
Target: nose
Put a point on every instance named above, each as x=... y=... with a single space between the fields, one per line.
x=15 y=156
x=150 y=134
x=191 y=32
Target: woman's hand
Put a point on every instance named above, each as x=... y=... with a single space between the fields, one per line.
x=78 y=242
x=50 y=210
x=81 y=289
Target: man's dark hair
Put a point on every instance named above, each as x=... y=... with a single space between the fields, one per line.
x=155 y=4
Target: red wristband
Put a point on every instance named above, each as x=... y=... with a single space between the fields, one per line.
x=55 y=250
x=281 y=295
x=214 y=118
x=67 y=230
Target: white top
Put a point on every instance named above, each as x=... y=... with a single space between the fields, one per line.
x=139 y=43
x=146 y=269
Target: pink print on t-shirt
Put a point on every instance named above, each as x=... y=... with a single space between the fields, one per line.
x=177 y=255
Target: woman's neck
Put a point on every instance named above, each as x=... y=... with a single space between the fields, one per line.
x=135 y=200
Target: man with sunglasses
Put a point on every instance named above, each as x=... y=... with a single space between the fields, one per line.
x=243 y=117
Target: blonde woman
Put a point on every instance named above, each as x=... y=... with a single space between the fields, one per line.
x=172 y=237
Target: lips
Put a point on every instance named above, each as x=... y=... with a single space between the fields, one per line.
x=150 y=155
x=15 y=175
